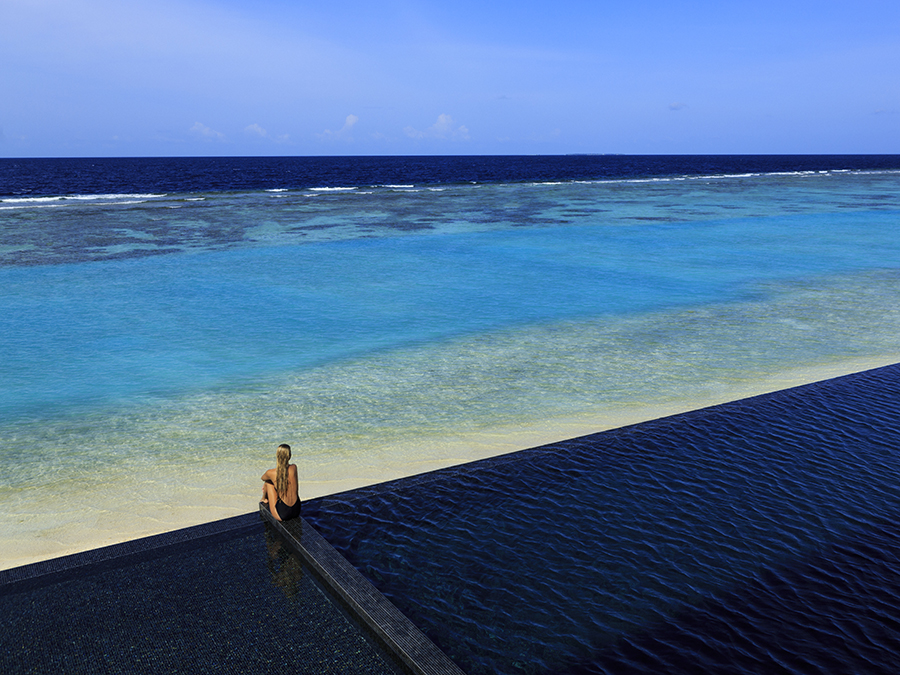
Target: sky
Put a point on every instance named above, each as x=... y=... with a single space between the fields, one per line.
x=97 y=78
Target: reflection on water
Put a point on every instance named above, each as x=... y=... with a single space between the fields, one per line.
x=285 y=568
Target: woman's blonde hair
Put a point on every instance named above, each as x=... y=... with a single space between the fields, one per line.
x=282 y=457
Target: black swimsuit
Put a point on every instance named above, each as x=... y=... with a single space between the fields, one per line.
x=286 y=512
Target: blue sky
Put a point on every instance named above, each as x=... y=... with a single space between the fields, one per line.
x=291 y=77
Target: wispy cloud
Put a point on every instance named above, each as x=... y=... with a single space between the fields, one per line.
x=677 y=106
x=204 y=131
x=343 y=132
x=444 y=128
x=258 y=131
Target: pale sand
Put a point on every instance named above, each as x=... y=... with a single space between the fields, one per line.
x=233 y=487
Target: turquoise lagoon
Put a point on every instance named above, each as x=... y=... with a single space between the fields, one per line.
x=158 y=346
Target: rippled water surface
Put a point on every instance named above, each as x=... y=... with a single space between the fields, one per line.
x=754 y=537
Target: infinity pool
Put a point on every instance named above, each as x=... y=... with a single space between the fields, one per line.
x=226 y=597
x=759 y=536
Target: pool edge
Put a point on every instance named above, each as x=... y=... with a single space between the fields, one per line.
x=388 y=623
x=113 y=552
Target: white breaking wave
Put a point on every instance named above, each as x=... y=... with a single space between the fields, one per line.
x=88 y=198
x=30 y=206
x=58 y=200
x=728 y=176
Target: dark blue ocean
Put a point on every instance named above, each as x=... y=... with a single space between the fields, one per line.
x=55 y=177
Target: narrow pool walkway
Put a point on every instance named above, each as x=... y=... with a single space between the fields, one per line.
x=390 y=626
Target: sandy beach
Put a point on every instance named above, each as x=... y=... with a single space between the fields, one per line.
x=105 y=515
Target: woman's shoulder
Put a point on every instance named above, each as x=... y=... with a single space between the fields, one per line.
x=292 y=468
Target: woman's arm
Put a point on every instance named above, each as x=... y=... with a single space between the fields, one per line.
x=269 y=476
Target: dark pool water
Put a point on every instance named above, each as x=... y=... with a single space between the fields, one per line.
x=760 y=536
x=227 y=597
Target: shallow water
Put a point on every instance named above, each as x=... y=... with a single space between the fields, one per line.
x=158 y=346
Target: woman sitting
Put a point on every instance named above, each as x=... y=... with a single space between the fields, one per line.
x=280 y=486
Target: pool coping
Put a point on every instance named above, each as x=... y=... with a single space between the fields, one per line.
x=375 y=611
